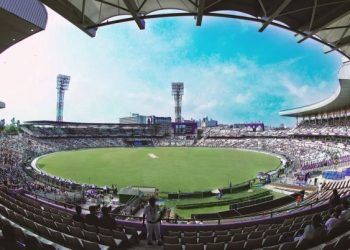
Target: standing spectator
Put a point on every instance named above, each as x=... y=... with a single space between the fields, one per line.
x=78 y=217
x=152 y=216
x=335 y=199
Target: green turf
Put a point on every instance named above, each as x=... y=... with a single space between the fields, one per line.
x=173 y=203
x=185 y=169
x=186 y=213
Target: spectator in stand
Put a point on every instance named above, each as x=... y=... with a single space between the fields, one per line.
x=334 y=220
x=335 y=199
x=78 y=217
x=91 y=218
x=32 y=243
x=345 y=213
x=314 y=232
x=4 y=186
x=107 y=221
x=9 y=241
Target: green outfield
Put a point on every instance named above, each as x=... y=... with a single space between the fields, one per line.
x=169 y=169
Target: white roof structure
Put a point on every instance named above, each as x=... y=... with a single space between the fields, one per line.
x=327 y=21
x=20 y=19
x=338 y=101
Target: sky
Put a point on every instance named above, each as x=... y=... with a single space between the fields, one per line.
x=231 y=72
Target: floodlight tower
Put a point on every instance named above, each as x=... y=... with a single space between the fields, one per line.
x=62 y=86
x=178 y=91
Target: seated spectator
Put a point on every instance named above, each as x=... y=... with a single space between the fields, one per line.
x=9 y=241
x=32 y=243
x=4 y=186
x=91 y=218
x=345 y=213
x=335 y=199
x=78 y=217
x=334 y=220
x=315 y=231
x=107 y=221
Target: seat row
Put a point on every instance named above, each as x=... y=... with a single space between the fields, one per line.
x=341 y=242
x=90 y=241
x=63 y=234
x=337 y=185
x=23 y=238
x=239 y=245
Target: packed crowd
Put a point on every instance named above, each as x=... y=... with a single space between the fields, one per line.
x=173 y=142
x=332 y=126
x=230 y=131
x=91 y=131
x=306 y=154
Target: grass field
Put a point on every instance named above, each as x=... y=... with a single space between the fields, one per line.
x=169 y=169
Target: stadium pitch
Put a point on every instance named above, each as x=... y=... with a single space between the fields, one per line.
x=173 y=169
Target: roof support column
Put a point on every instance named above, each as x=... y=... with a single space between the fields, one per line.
x=279 y=9
x=132 y=7
x=83 y=12
x=201 y=6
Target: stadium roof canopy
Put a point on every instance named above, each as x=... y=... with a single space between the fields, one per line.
x=336 y=103
x=20 y=19
x=326 y=21
x=2 y=105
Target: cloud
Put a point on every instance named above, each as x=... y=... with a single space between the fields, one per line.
x=124 y=70
x=243 y=98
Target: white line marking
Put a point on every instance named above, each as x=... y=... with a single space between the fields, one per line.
x=153 y=156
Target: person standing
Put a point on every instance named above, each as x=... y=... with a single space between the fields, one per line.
x=335 y=199
x=152 y=216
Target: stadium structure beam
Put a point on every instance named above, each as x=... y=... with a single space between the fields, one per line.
x=223 y=15
x=132 y=7
x=325 y=21
x=270 y=19
x=141 y=5
x=313 y=14
x=83 y=12
x=212 y=4
x=201 y=6
x=111 y=4
x=344 y=41
x=311 y=7
x=262 y=7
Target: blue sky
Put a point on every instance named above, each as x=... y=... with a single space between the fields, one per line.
x=231 y=72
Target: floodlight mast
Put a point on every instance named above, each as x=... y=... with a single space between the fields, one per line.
x=62 y=86
x=177 y=92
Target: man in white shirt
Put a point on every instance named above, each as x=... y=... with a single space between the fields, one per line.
x=345 y=213
x=334 y=220
x=152 y=217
